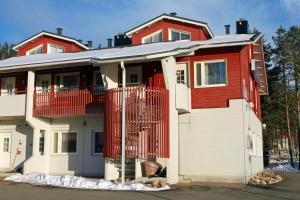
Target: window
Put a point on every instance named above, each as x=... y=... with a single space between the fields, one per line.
x=98 y=82
x=55 y=49
x=68 y=81
x=43 y=83
x=212 y=73
x=65 y=142
x=175 y=35
x=6 y=145
x=36 y=50
x=42 y=142
x=180 y=76
x=134 y=78
x=8 y=86
x=98 y=139
x=154 y=37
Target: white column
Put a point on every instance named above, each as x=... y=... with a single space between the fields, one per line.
x=169 y=70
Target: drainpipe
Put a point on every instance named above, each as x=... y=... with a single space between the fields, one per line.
x=123 y=120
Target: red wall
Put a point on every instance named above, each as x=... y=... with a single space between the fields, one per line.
x=197 y=32
x=21 y=81
x=69 y=46
x=215 y=97
x=238 y=68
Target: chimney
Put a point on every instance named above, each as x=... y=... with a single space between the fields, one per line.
x=227 y=29
x=242 y=26
x=173 y=13
x=90 y=44
x=109 y=43
x=59 y=31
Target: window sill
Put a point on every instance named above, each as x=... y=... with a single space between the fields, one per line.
x=210 y=86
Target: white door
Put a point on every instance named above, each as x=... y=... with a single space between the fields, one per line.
x=8 y=86
x=5 y=149
x=181 y=73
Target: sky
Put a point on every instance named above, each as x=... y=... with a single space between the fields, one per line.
x=98 y=20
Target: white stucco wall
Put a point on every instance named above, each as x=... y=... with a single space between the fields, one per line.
x=84 y=162
x=212 y=144
x=13 y=105
x=21 y=139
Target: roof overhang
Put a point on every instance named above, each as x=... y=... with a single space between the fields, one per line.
x=174 y=18
x=43 y=33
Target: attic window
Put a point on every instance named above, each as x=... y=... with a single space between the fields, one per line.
x=175 y=35
x=35 y=50
x=154 y=37
x=55 y=48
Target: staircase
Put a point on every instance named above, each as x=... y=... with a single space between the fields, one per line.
x=129 y=168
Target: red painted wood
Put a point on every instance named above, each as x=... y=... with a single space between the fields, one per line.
x=197 y=32
x=68 y=103
x=146 y=114
x=69 y=46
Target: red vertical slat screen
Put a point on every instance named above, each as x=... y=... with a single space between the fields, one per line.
x=68 y=102
x=147 y=121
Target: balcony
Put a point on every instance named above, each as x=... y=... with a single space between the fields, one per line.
x=52 y=103
x=12 y=105
x=182 y=98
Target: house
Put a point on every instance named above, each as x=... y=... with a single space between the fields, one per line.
x=192 y=104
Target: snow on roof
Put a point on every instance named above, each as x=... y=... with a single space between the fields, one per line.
x=125 y=52
x=62 y=37
x=171 y=17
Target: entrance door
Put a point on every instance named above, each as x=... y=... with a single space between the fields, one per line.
x=8 y=86
x=5 y=149
x=181 y=73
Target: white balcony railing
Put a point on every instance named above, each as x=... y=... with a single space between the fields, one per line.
x=12 y=105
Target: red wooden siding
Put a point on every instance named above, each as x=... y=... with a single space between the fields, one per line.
x=69 y=46
x=215 y=97
x=21 y=81
x=147 y=123
x=197 y=32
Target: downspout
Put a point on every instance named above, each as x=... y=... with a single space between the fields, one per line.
x=123 y=120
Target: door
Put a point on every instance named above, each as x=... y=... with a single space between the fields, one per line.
x=5 y=149
x=43 y=83
x=134 y=76
x=8 y=86
x=181 y=73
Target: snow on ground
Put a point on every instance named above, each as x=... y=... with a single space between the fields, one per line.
x=277 y=164
x=80 y=182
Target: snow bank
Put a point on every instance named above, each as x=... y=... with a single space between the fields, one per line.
x=277 y=164
x=80 y=182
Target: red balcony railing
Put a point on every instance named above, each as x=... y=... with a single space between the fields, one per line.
x=53 y=103
x=147 y=123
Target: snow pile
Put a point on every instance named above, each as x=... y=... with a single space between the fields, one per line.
x=277 y=164
x=80 y=182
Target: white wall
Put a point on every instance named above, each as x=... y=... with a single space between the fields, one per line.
x=83 y=162
x=21 y=139
x=212 y=144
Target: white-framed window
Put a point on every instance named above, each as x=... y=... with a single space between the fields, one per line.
x=42 y=142
x=153 y=37
x=97 y=142
x=43 y=83
x=210 y=73
x=8 y=86
x=6 y=144
x=65 y=142
x=53 y=48
x=67 y=81
x=175 y=35
x=35 y=50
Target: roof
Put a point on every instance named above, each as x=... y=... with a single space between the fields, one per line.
x=171 y=17
x=62 y=37
x=132 y=53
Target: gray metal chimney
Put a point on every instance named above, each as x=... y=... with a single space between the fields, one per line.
x=109 y=43
x=173 y=14
x=90 y=44
x=59 y=31
x=227 y=29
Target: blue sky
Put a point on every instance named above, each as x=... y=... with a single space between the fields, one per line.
x=98 y=20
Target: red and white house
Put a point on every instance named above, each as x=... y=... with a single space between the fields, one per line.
x=192 y=104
